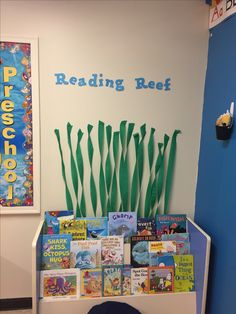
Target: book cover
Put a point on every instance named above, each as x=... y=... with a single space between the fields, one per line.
x=52 y=218
x=112 y=281
x=139 y=280
x=160 y=279
x=161 y=261
x=97 y=227
x=91 y=283
x=61 y=283
x=162 y=247
x=126 y=280
x=184 y=273
x=55 y=251
x=77 y=228
x=182 y=242
x=139 y=250
x=171 y=224
x=146 y=226
x=85 y=254
x=122 y=224
x=112 y=252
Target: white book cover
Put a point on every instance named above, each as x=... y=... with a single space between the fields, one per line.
x=139 y=280
x=112 y=250
x=60 y=284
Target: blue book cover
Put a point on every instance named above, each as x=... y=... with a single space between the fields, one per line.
x=139 y=250
x=123 y=223
x=96 y=227
x=52 y=220
x=172 y=223
x=161 y=261
x=55 y=251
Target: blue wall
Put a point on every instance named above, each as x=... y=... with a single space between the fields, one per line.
x=215 y=208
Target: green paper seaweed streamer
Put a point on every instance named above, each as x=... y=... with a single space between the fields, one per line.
x=93 y=191
x=118 y=189
x=80 y=166
x=135 y=178
x=102 y=184
x=74 y=174
x=114 y=188
x=69 y=202
x=170 y=170
x=108 y=167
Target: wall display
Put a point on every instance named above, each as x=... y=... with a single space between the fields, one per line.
x=120 y=183
x=19 y=126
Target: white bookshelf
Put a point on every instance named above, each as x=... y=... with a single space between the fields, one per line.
x=166 y=303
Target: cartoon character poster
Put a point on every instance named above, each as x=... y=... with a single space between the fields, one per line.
x=19 y=127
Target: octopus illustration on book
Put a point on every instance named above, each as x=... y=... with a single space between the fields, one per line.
x=58 y=286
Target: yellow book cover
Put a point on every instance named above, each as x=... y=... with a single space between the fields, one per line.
x=77 y=228
x=184 y=273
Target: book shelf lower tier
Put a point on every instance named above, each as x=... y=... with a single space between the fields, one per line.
x=166 y=303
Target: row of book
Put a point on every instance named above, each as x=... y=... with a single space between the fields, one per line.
x=117 y=223
x=118 y=280
x=60 y=251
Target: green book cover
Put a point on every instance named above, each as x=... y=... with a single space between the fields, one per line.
x=184 y=273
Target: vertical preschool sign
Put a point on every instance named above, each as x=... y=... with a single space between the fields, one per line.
x=19 y=127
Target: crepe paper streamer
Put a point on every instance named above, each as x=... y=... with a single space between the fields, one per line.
x=124 y=164
x=102 y=184
x=69 y=202
x=73 y=169
x=123 y=135
x=135 y=178
x=170 y=170
x=114 y=189
x=80 y=166
x=108 y=166
x=108 y=169
x=140 y=166
x=151 y=148
x=93 y=191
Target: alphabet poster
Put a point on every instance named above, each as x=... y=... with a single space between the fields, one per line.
x=19 y=127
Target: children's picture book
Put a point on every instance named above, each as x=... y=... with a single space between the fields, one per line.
x=146 y=226
x=172 y=223
x=96 y=227
x=162 y=247
x=139 y=250
x=112 y=252
x=77 y=228
x=52 y=218
x=60 y=283
x=161 y=261
x=91 y=283
x=85 y=254
x=55 y=251
x=126 y=280
x=184 y=273
x=182 y=242
x=112 y=281
x=139 y=280
x=122 y=223
x=160 y=279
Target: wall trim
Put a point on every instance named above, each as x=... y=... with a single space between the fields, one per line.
x=15 y=304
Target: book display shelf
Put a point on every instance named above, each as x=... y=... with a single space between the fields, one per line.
x=165 y=303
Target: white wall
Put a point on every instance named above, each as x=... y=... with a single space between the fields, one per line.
x=121 y=39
